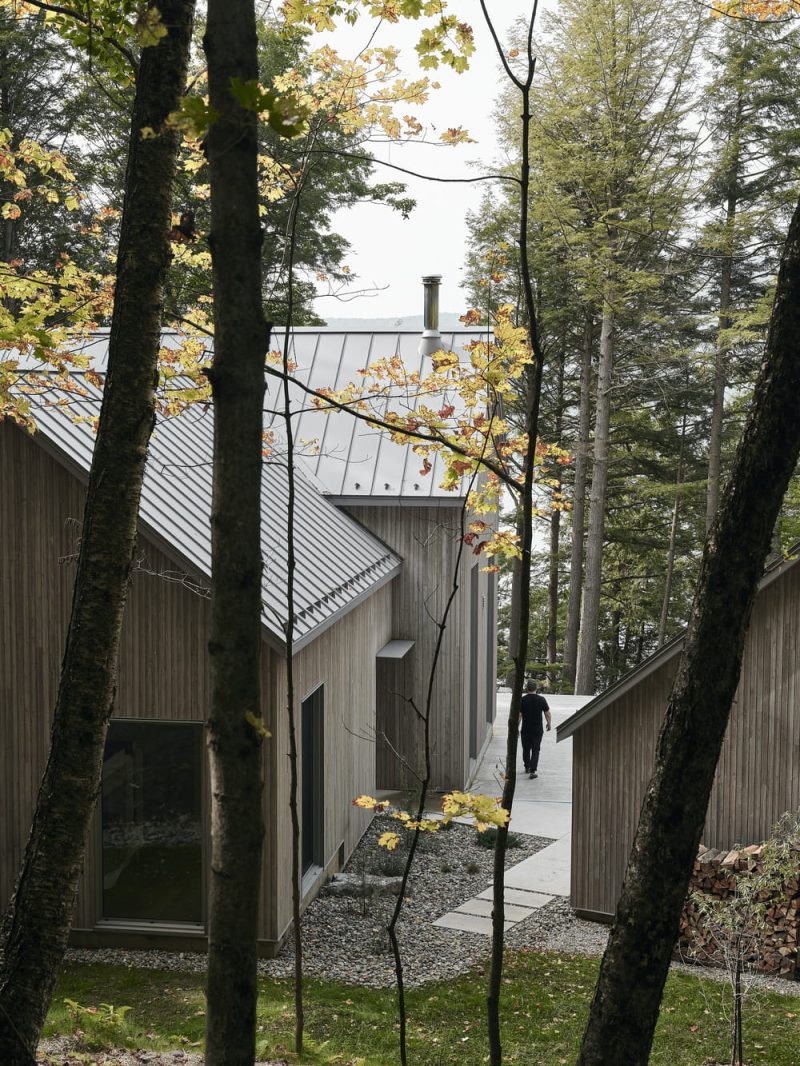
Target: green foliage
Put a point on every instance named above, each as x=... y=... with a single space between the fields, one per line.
x=98 y=1026
x=487 y=840
x=284 y=114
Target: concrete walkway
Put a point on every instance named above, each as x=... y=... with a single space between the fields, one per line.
x=542 y=807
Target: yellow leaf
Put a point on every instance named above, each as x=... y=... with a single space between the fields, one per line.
x=388 y=841
x=258 y=724
x=149 y=27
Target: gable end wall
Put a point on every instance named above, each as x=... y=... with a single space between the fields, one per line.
x=758 y=777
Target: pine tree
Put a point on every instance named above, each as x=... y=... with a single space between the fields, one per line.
x=753 y=124
x=613 y=157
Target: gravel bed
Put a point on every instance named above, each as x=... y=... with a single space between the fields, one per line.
x=345 y=939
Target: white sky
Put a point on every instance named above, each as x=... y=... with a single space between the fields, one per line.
x=391 y=252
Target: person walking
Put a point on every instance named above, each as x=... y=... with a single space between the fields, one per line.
x=531 y=729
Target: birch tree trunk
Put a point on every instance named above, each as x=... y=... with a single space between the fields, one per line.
x=626 y=1001
x=234 y=738
x=579 y=507
x=36 y=925
x=590 y=612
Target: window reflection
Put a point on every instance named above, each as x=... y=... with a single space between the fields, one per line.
x=151 y=815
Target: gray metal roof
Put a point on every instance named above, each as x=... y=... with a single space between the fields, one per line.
x=632 y=678
x=353 y=461
x=338 y=562
x=349 y=460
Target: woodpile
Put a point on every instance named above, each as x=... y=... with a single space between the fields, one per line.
x=768 y=930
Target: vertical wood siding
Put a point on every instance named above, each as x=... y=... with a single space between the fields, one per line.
x=343 y=660
x=427 y=538
x=163 y=675
x=758 y=777
x=163 y=672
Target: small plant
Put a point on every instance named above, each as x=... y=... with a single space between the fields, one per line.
x=487 y=839
x=102 y=1024
x=447 y=868
x=473 y=868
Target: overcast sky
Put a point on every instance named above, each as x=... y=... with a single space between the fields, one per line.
x=388 y=252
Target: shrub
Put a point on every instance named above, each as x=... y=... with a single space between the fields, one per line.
x=487 y=839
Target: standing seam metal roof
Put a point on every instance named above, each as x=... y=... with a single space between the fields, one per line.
x=353 y=460
x=338 y=562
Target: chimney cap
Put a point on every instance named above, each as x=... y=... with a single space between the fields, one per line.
x=431 y=277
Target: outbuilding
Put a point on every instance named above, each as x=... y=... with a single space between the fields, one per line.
x=614 y=740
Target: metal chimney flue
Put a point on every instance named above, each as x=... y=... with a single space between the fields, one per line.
x=431 y=340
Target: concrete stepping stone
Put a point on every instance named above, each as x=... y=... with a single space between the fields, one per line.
x=519 y=897
x=484 y=907
x=468 y=923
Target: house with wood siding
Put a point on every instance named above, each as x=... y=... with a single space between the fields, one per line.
x=144 y=879
x=385 y=489
x=614 y=740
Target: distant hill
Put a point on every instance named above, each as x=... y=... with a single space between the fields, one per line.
x=447 y=320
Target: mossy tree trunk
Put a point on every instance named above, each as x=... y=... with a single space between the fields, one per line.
x=625 y=1006
x=36 y=925
x=234 y=736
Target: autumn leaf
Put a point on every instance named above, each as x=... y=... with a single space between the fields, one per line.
x=149 y=27
x=369 y=803
x=388 y=840
x=456 y=135
x=258 y=724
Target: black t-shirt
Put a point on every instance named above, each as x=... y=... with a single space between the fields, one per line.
x=532 y=708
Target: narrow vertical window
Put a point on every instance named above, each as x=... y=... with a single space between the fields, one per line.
x=312 y=765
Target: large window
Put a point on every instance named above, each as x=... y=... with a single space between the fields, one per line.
x=152 y=815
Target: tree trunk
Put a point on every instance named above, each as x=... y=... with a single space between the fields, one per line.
x=579 y=507
x=520 y=596
x=590 y=613
x=720 y=366
x=555 y=528
x=624 y=1010
x=234 y=733
x=673 y=536
x=36 y=926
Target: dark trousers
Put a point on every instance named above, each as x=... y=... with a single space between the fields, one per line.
x=531 y=742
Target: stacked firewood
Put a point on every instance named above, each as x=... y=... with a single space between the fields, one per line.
x=764 y=933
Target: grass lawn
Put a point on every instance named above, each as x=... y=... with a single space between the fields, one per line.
x=545 y=1000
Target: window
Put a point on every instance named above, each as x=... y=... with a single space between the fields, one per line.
x=152 y=822
x=312 y=755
